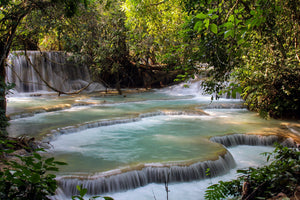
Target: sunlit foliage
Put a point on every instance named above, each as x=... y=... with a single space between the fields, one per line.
x=153 y=28
x=255 y=43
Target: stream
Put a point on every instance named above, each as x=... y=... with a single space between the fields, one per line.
x=127 y=146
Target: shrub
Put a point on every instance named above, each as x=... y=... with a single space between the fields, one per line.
x=28 y=177
x=281 y=175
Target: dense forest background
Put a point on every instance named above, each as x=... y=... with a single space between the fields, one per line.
x=249 y=47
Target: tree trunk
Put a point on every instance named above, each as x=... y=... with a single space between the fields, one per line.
x=3 y=118
x=118 y=86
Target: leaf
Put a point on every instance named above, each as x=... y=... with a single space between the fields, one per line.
x=231 y=18
x=37 y=156
x=214 y=16
x=228 y=25
x=252 y=12
x=201 y=16
x=49 y=161
x=55 y=169
x=26 y=172
x=107 y=198
x=83 y=191
x=35 y=178
x=214 y=28
x=78 y=187
x=206 y=23
x=228 y=33
x=233 y=94
x=198 y=26
x=77 y=197
x=60 y=163
x=241 y=41
x=95 y=197
x=241 y=171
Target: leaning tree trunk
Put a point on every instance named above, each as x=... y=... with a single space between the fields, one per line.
x=11 y=21
x=3 y=118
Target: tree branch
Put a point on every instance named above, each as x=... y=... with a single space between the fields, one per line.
x=50 y=86
x=230 y=11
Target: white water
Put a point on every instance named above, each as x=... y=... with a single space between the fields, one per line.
x=53 y=67
x=158 y=128
x=153 y=139
x=245 y=156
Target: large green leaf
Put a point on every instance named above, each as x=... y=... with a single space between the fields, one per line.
x=229 y=33
x=201 y=16
x=213 y=28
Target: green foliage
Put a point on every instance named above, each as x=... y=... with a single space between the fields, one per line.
x=4 y=90
x=100 y=43
x=28 y=177
x=281 y=175
x=255 y=43
x=154 y=30
x=222 y=190
x=82 y=193
x=14 y=32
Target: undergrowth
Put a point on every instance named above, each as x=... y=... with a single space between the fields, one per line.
x=281 y=175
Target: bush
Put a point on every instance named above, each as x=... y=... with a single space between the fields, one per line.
x=28 y=177
x=281 y=175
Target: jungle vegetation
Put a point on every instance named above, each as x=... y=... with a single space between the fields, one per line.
x=281 y=175
x=249 y=47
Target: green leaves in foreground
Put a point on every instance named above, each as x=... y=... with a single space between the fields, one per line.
x=281 y=175
x=223 y=190
x=27 y=177
x=83 y=191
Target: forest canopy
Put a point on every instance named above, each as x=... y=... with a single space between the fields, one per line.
x=248 y=47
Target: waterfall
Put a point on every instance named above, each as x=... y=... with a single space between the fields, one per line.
x=118 y=180
x=101 y=183
x=54 y=68
x=101 y=123
x=254 y=140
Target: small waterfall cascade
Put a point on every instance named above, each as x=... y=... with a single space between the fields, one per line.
x=118 y=180
x=101 y=123
x=53 y=67
x=253 y=140
x=100 y=184
x=194 y=87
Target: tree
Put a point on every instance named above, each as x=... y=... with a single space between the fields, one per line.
x=11 y=15
x=255 y=43
x=154 y=30
x=98 y=38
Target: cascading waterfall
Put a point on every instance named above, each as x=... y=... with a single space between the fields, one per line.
x=253 y=140
x=117 y=180
x=73 y=129
x=54 y=68
x=115 y=143
x=99 y=184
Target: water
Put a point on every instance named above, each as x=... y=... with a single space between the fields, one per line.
x=245 y=156
x=54 y=68
x=154 y=139
x=140 y=139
